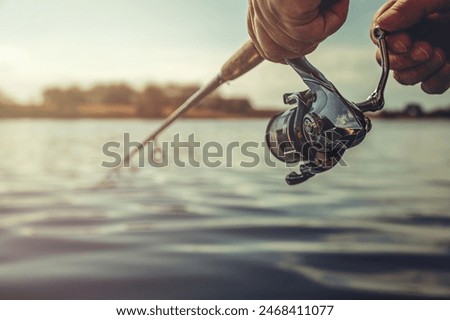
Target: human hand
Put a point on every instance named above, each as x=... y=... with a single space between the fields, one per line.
x=293 y=28
x=418 y=42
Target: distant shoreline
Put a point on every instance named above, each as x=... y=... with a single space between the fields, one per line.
x=263 y=114
x=121 y=101
x=229 y=117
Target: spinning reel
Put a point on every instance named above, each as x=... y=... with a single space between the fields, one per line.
x=323 y=124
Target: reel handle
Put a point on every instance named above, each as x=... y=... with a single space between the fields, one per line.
x=294 y=178
x=375 y=101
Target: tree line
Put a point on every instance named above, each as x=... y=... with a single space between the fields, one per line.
x=153 y=101
x=120 y=100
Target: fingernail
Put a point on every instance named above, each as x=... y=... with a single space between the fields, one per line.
x=420 y=54
x=400 y=47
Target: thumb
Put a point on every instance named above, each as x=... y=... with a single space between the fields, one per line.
x=336 y=15
x=405 y=13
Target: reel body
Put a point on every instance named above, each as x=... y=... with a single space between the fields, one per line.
x=323 y=124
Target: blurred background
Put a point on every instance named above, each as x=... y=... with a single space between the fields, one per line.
x=78 y=74
x=78 y=44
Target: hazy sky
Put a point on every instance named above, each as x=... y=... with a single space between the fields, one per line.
x=64 y=42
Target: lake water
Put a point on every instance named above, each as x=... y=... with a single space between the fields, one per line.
x=378 y=227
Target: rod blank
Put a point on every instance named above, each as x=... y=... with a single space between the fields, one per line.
x=244 y=60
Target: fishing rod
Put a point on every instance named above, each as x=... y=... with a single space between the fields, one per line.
x=244 y=60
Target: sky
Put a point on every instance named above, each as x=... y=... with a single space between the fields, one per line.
x=78 y=42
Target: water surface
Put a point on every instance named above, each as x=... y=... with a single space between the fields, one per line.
x=376 y=228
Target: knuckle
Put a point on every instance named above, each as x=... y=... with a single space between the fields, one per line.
x=440 y=55
x=399 y=42
x=434 y=88
x=401 y=78
x=408 y=78
x=436 y=61
x=438 y=83
x=424 y=45
x=397 y=62
x=422 y=51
